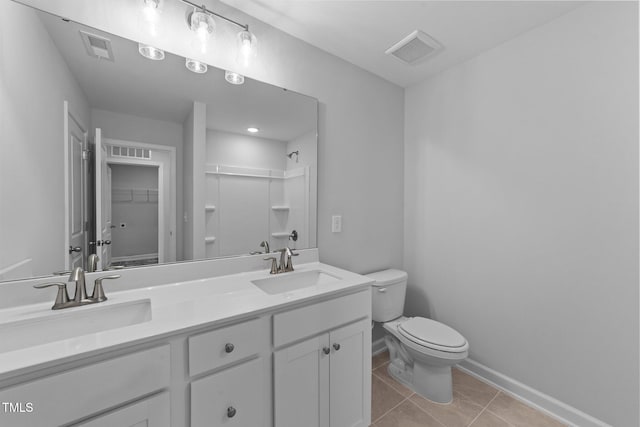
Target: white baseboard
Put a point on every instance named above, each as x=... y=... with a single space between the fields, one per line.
x=544 y=403
x=378 y=346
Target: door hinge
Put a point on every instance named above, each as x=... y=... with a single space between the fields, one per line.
x=86 y=155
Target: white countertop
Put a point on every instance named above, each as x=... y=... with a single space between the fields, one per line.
x=175 y=308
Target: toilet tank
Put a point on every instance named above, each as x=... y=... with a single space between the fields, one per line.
x=389 y=289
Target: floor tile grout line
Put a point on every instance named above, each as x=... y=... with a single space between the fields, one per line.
x=425 y=411
x=381 y=378
x=484 y=409
x=383 y=415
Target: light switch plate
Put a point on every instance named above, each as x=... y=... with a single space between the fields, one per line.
x=336 y=224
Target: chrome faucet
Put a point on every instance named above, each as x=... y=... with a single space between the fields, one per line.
x=92 y=263
x=264 y=244
x=77 y=276
x=80 y=297
x=286 y=264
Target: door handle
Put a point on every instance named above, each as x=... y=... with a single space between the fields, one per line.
x=75 y=249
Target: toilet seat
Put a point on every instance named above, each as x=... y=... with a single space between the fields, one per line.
x=432 y=334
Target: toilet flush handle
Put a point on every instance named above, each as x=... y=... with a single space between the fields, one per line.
x=382 y=290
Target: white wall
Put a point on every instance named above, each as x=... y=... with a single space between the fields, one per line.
x=127 y=127
x=521 y=223
x=233 y=149
x=360 y=128
x=34 y=82
x=195 y=129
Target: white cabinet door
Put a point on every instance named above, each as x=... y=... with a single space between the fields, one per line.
x=301 y=384
x=150 y=412
x=350 y=375
x=233 y=397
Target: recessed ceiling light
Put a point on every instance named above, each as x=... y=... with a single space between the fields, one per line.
x=252 y=130
x=150 y=52
x=233 y=78
x=196 y=66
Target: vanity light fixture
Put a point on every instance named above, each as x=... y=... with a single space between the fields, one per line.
x=202 y=23
x=233 y=77
x=196 y=66
x=253 y=130
x=150 y=52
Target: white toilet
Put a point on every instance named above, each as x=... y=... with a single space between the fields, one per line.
x=422 y=351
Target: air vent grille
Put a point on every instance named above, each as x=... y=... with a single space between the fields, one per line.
x=136 y=153
x=97 y=46
x=415 y=48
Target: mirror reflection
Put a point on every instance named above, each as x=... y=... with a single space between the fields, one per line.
x=141 y=161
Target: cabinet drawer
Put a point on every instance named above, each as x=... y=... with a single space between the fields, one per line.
x=310 y=320
x=67 y=396
x=233 y=397
x=150 y=412
x=218 y=348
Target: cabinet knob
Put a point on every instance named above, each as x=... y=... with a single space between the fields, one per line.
x=229 y=348
x=326 y=350
x=336 y=346
x=231 y=412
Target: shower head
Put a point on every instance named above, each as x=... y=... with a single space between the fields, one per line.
x=291 y=154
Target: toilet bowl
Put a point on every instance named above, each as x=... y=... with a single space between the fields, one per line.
x=421 y=351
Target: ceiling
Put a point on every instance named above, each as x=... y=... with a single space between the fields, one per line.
x=361 y=31
x=165 y=90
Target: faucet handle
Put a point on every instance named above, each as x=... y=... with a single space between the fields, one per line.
x=62 y=297
x=274 y=264
x=98 y=290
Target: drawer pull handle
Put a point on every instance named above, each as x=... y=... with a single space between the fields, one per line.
x=336 y=346
x=231 y=412
x=382 y=290
x=326 y=350
x=229 y=348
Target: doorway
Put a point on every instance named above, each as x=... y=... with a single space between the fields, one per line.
x=134 y=214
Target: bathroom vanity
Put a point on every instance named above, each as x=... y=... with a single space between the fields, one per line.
x=246 y=349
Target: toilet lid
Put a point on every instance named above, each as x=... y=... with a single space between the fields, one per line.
x=427 y=331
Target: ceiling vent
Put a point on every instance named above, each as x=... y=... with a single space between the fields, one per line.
x=97 y=46
x=415 y=48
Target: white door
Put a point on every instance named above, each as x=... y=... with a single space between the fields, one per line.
x=301 y=384
x=76 y=171
x=103 y=204
x=350 y=376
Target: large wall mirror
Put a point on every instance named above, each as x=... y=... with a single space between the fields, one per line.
x=141 y=161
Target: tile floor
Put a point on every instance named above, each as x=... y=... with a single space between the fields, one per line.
x=474 y=404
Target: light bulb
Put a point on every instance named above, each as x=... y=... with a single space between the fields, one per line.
x=196 y=66
x=150 y=52
x=150 y=16
x=247 y=48
x=233 y=78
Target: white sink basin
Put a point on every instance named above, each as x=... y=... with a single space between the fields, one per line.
x=72 y=322
x=287 y=282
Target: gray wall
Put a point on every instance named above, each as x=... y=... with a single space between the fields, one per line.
x=521 y=223
x=34 y=82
